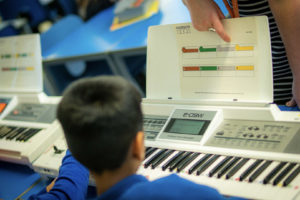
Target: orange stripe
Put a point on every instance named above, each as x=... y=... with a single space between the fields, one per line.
x=184 y=50
x=190 y=68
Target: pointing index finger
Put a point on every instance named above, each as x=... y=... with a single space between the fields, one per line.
x=218 y=26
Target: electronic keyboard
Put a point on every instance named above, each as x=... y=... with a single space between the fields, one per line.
x=253 y=156
x=29 y=128
x=208 y=115
x=28 y=124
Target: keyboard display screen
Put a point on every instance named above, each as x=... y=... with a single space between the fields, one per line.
x=184 y=126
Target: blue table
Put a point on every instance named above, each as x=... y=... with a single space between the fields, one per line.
x=16 y=179
x=95 y=36
x=20 y=181
x=94 y=40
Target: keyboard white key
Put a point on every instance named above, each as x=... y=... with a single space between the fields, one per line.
x=229 y=183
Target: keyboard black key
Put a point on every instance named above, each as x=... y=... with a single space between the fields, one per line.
x=248 y=171
x=16 y=133
x=153 y=158
x=3 y=130
x=149 y=152
x=219 y=166
x=207 y=164
x=28 y=134
x=236 y=168
x=228 y=166
x=284 y=173
x=162 y=157
x=24 y=135
x=291 y=177
x=172 y=160
x=6 y=130
x=199 y=163
x=259 y=170
x=179 y=161
x=11 y=133
x=148 y=149
x=187 y=161
x=176 y=162
x=273 y=172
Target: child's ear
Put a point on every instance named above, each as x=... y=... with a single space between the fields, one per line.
x=138 y=146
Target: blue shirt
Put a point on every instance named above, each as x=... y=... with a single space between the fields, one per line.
x=137 y=187
x=71 y=183
x=73 y=179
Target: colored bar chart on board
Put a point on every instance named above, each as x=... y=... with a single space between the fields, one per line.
x=17 y=69
x=8 y=57
x=17 y=55
x=21 y=64
x=210 y=68
x=213 y=70
x=219 y=68
x=218 y=51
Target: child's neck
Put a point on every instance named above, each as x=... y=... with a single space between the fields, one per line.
x=107 y=179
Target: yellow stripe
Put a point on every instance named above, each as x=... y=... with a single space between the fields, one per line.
x=249 y=67
x=243 y=48
x=29 y=68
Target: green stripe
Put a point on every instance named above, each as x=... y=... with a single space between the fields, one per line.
x=201 y=49
x=5 y=56
x=208 y=68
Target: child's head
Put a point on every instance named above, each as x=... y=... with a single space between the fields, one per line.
x=100 y=117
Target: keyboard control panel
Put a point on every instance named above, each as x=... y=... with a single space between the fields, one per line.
x=257 y=135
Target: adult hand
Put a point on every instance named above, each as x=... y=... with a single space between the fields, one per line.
x=206 y=14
